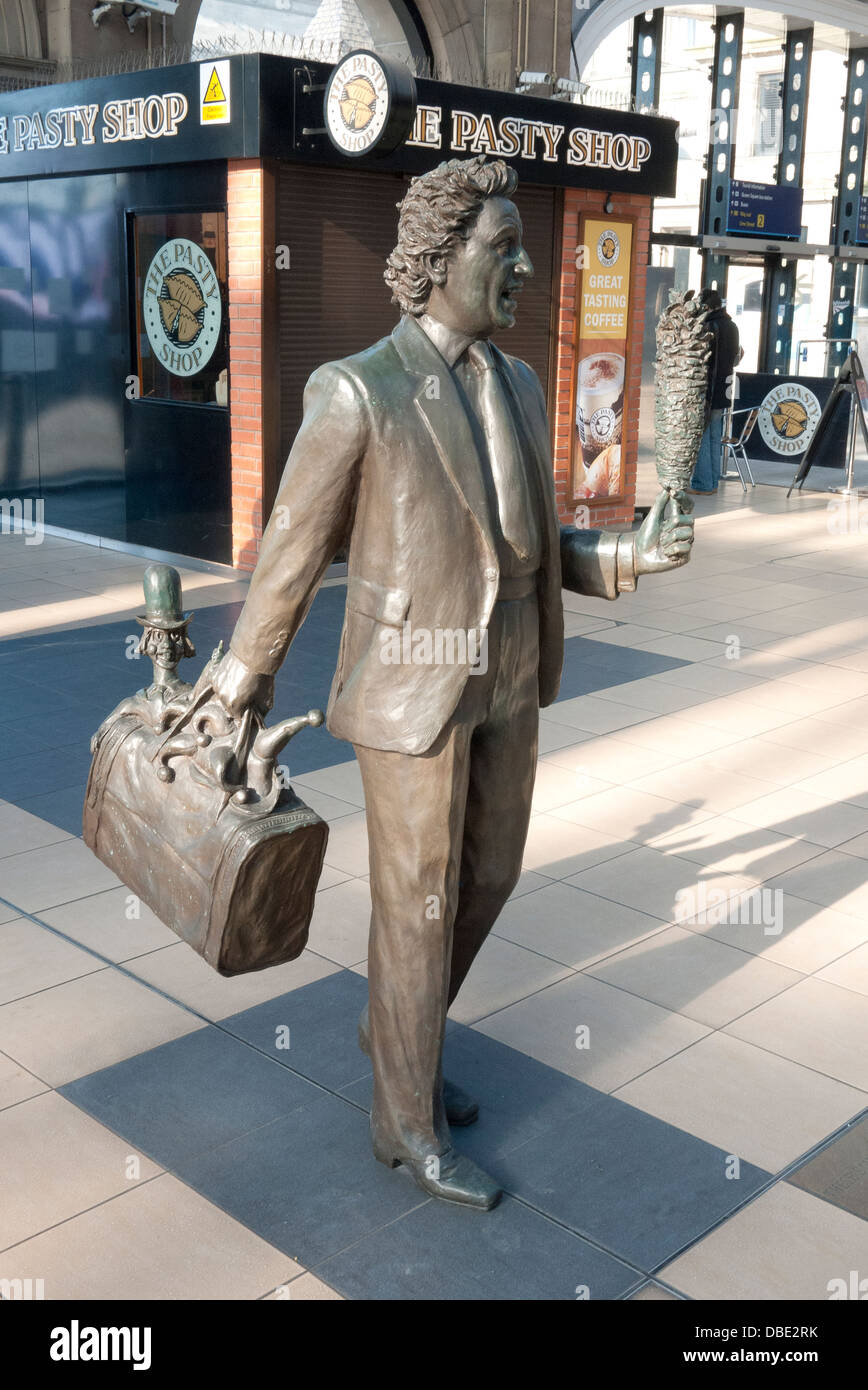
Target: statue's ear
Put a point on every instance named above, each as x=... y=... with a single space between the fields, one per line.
x=435 y=264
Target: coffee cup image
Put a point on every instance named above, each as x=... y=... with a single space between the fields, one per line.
x=599 y=402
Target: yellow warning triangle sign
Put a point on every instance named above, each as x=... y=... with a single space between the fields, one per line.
x=215 y=90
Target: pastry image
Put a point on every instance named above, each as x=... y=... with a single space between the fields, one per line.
x=603 y=477
x=182 y=307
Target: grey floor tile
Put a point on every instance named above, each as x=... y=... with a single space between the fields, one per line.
x=571 y=926
x=56 y=1162
x=308 y=1183
x=592 y=1031
x=190 y=1095
x=839 y=1174
x=519 y=1098
x=746 y=1099
x=695 y=975
x=33 y=959
x=185 y=1248
x=91 y=1022
x=322 y=1019
x=786 y=1245
x=653 y=1293
x=637 y=1186
x=443 y=1253
x=16 y=1084
x=816 y=1024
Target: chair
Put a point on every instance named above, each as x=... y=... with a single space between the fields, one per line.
x=734 y=446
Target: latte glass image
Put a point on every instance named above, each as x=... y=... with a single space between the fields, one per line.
x=599 y=402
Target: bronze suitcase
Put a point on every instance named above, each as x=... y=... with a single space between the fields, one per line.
x=187 y=807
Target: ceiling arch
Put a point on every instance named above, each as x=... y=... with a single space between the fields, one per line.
x=607 y=15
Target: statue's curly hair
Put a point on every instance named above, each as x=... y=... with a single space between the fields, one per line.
x=438 y=211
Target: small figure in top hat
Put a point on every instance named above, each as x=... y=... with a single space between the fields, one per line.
x=165 y=639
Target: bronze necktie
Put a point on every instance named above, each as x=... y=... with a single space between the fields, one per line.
x=517 y=520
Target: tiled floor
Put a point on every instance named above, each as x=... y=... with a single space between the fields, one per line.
x=667 y=1030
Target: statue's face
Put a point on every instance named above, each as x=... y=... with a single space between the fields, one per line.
x=484 y=274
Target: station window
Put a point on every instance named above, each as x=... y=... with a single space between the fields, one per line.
x=180 y=290
x=768 y=117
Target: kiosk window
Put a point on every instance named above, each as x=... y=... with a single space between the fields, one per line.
x=180 y=306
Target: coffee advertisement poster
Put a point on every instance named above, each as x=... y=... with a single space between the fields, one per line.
x=601 y=349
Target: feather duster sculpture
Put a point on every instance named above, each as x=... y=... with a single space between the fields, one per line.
x=683 y=350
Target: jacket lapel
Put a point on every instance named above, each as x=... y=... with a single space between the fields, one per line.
x=445 y=418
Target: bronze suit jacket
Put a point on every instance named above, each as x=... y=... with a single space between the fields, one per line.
x=385 y=463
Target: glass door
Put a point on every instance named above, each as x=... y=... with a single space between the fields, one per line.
x=744 y=304
x=813 y=281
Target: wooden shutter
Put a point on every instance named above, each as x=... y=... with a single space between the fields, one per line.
x=340 y=225
x=532 y=337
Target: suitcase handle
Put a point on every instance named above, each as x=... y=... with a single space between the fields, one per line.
x=238 y=756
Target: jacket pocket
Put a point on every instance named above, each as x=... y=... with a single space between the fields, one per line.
x=375 y=601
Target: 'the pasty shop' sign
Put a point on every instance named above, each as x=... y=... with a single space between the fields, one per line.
x=137 y=118
x=366 y=109
x=516 y=137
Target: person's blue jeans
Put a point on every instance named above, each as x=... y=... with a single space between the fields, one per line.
x=706 y=473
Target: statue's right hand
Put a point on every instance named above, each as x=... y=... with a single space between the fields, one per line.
x=238 y=688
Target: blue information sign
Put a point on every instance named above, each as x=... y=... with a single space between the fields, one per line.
x=764 y=209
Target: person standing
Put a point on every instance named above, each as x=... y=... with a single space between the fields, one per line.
x=725 y=354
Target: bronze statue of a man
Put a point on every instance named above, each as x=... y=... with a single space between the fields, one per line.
x=428 y=457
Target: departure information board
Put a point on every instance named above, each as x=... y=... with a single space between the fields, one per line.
x=764 y=209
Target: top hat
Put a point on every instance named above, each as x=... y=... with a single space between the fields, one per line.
x=163 y=601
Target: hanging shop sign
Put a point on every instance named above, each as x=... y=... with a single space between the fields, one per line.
x=181 y=307
x=602 y=331
x=370 y=104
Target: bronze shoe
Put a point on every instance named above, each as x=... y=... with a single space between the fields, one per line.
x=449 y=1176
x=461 y=1108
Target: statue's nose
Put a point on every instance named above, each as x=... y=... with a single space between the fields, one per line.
x=524 y=265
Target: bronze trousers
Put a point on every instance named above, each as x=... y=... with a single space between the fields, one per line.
x=447 y=830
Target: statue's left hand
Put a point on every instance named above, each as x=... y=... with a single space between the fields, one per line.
x=665 y=537
x=238 y=688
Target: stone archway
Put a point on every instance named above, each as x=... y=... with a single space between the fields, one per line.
x=451 y=31
x=19 y=30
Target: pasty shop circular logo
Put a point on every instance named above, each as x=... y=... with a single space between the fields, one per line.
x=608 y=247
x=788 y=417
x=357 y=103
x=181 y=307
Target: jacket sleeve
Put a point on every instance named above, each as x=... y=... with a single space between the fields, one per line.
x=597 y=563
x=311 y=519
